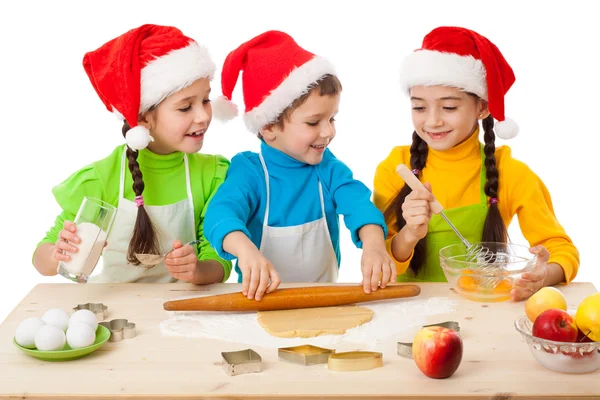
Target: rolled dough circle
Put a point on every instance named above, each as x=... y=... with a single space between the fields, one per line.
x=311 y=322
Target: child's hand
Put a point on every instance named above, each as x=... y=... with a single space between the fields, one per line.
x=531 y=282
x=377 y=266
x=416 y=211
x=67 y=238
x=256 y=272
x=182 y=263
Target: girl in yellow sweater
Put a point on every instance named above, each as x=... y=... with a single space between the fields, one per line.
x=457 y=78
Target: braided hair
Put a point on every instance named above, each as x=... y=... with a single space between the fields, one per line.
x=145 y=238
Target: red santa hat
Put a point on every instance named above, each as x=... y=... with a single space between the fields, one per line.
x=276 y=72
x=140 y=68
x=462 y=58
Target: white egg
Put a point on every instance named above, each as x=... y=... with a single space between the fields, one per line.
x=25 y=335
x=50 y=338
x=85 y=316
x=56 y=317
x=80 y=334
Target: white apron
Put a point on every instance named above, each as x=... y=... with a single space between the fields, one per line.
x=301 y=253
x=172 y=222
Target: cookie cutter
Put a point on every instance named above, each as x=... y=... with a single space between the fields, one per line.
x=355 y=361
x=241 y=362
x=305 y=354
x=119 y=329
x=99 y=309
x=405 y=349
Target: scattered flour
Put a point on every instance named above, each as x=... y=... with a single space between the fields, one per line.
x=391 y=318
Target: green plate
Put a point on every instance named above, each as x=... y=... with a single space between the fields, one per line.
x=67 y=353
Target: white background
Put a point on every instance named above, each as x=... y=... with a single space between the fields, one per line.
x=52 y=122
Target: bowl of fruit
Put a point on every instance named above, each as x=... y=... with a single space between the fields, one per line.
x=488 y=274
x=559 y=339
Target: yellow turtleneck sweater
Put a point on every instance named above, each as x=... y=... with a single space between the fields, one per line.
x=455 y=180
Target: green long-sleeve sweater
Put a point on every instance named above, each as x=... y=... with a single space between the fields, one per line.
x=164 y=179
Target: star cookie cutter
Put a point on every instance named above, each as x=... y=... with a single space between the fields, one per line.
x=119 y=329
x=99 y=309
x=405 y=349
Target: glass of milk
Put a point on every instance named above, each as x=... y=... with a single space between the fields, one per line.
x=94 y=220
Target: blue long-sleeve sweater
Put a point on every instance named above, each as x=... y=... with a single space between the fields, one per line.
x=240 y=202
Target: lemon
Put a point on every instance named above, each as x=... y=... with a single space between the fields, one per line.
x=587 y=317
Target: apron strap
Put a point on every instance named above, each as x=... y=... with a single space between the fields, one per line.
x=322 y=201
x=266 y=172
x=190 y=196
x=188 y=184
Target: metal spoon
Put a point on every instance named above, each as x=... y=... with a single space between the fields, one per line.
x=151 y=260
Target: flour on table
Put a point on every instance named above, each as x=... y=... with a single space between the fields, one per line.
x=391 y=318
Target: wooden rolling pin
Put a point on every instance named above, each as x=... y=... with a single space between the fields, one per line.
x=291 y=298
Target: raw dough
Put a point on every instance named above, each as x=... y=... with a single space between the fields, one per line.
x=311 y=322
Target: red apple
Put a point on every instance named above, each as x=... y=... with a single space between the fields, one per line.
x=555 y=324
x=437 y=351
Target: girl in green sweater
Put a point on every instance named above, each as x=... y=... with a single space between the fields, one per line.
x=157 y=81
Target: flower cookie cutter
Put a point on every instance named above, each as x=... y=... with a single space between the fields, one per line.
x=405 y=349
x=119 y=329
x=99 y=309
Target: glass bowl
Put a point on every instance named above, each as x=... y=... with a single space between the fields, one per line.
x=575 y=358
x=491 y=279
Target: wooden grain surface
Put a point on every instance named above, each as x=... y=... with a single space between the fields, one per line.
x=496 y=360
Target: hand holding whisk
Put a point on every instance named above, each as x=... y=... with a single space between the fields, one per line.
x=475 y=253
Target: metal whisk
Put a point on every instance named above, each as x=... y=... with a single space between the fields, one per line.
x=488 y=272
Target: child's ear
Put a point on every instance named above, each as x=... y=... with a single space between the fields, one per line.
x=484 y=111
x=147 y=121
x=269 y=132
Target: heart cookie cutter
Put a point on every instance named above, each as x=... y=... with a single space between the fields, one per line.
x=99 y=309
x=119 y=329
x=405 y=349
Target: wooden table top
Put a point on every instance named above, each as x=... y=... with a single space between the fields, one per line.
x=496 y=359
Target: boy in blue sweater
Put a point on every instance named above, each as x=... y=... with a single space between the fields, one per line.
x=277 y=210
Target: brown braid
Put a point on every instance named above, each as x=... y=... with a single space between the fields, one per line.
x=144 y=239
x=494 y=229
x=418 y=158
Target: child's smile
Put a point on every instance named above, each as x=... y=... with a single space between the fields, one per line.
x=198 y=135
x=319 y=147
x=438 y=135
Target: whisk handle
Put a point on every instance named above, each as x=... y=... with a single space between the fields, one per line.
x=414 y=183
